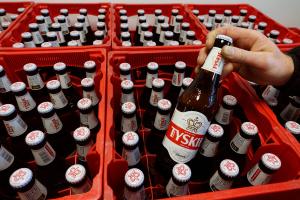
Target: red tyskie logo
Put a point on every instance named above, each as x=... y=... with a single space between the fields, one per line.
x=217 y=60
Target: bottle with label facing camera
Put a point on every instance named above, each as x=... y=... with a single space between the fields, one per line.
x=131 y=151
x=43 y=27
x=62 y=20
x=75 y=37
x=45 y=14
x=36 y=35
x=134 y=185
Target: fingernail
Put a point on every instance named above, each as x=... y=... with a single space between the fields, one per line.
x=228 y=51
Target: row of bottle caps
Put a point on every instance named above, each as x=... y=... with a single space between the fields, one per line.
x=6 y=19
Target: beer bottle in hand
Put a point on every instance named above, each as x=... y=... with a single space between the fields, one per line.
x=134 y=185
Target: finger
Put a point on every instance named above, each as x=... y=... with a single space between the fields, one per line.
x=202 y=56
x=228 y=68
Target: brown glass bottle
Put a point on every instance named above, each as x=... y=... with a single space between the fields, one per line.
x=89 y=33
x=6 y=95
x=88 y=91
x=195 y=109
x=84 y=143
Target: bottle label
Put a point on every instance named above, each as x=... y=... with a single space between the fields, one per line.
x=239 y=144
x=158 y=29
x=129 y=195
x=177 y=27
x=25 y=102
x=133 y=157
x=59 y=100
x=44 y=155
x=60 y=37
x=142 y=37
x=177 y=79
x=64 y=28
x=82 y=151
x=89 y=120
x=182 y=36
x=48 y=20
x=162 y=37
x=161 y=122
x=82 y=37
x=209 y=148
x=52 y=124
x=4 y=84
x=256 y=176
x=214 y=61
x=29 y=44
x=38 y=191
x=37 y=38
x=129 y=124
x=43 y=29
x=6 y=158
x=149 y=79
x=35 y=82
x=65 y=81
x=217 y=183
x=173 y=20
x=185 y=134
x=90 y=75
x=155 y=97
x=15 y=127
x=174 y=190
x=223 y=116
x=139 y=29
x=127 y=98
x=83 y=188
x=92 y=96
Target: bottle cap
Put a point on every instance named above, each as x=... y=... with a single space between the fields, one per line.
x=142 y=19
x=18 y=87
x=81 y=18
x=144 y=26
x=185 y=25
x=271 y=161
x=227 y=13
x=75 y=174
x=125 y=35
x=148 y=34
x=175 y=11
x=26 y=35
x=127 y=84
x=208 y=26
x=128 y=108
x=229 y=168
x=5 y=24
x=18 y=45
x=224 y=37
x=33 y=26
x=102 y=11
x=101 y=17
x=20 y=178
x=99 y=34
x=125 y=67
x=158 y=12
x=190 y=34
x=123 y=12
x=180 y=65
x=140 y=12
x=45 y=107
x=124 y=26
x=72 y=43
x=161 y=19
x=78 y=25
x=218 y=19
x=245 y=24
x=235 y=19
x=84 y=104
x=83 y=11
x=56 y=26
x=87 y=82
x=20 y=10
x=151 y=44
x=59 y=66
x=262 y=25
x=35 y=138
x=182 y=173
x=124 y=19
x=196 y=12
x=152 y=66
x=174 y=43
x=179 y=18
x=201 y=18
x=130 y=139
x=252 y=18
x=212 y=13
x=134 y=178
x=51 y=35
x=53 y=85
x=287 y=41
x=249 y=128
x=6 y=110
x=81 y=134
x=229 y=100
x=164 y=104
x=46 y=45
x=293 y=127
x=274 y=34
x=29 y=67
x=90 y=64
x=100 y=25
x=197 y=42
x=169 y=35
x=215 y=130
x=45 y=12
x=187 y=81
x=158 y=83
x=1 y=68
x=243 y=12
x=64 y=11
x=40 y=19
x=2 y=11
x=61 y=19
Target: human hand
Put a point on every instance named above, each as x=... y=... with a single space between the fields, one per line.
x=253 y=56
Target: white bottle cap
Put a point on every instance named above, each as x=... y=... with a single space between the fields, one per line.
x=84 y=104
x=72 y=43
x=252 y=18
x=26 y=35
x=152 y=66
x=39 y=18
x=34 y=138
x=53 y=85
x=271 y=161
x=126 y=44
x=174 y=43
x=97 y=42
x=55 y=25
x=128 y=108
x=158 y=11
x=141 y=12
x=127 y=84
x=187 y=81
x=249 y=128
x=75 y=174
x=18 y=45
x=197 y=42
x=212 y=12
x=175 y=11
x=287 y=41
x=196 y=12
x=29 y=67
x=164 y=104
x=51 y=35
x=243 y=12
x=81 y=134
x=82 y=10
x=124 y=66
x=46 y=44
x=64 y=11
x=18 y=86
x=45 y=107
x=123 y=12
x=125 y=34
x=45 y=12
x=101 y=17
x=293 y=127
x=151 y=44
x=59 y=66
x=20 y=10
x=6 y=110
x=21 y=178
x=181 y=172
x=227 y=12
x=130 y=139
x=158 y=83
x=229 y=100
x=87 y=82
x=89 y=64
x=229 y=168
x=180 y=65
x=101 y=10
x=134 y=178
x=215 y=130
x=124 y=18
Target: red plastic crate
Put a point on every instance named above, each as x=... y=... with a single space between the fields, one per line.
x=295 y=29
x=149 y=12
x=273 y=138
x=14 y=35
x=235 y=8
x=13 y=63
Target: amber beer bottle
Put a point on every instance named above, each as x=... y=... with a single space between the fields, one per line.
x=88 y=91
x=84 y=143
x=195 y=109
x=131 y=151
x=6 y=95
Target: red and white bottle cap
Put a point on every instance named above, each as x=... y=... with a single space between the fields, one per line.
x=45 y=12
x=124 y=18
x=73 y=43
x=158 y=83
x=100 y=25
x=252 y=18
x=39 y=18
x=55 y=25
x=229 y=100
x=98 y=34
x=215 y=130
x=134 y=178
x=212 y=12
x=51 y=34
x=141 y=12
x=29 y=67
x=271 y=161
x=164 y=104
x=87 y=82
x=1 y=68
x=197 y=42
x=161 y=18
x=59 y=66
x=18 y=45
x=84 y=104
x=229 y=168
x=34 y=138
x=61 y=18
x=20 y=178
x=46 y=44
x=227 y=12
x=53 y=85
x=130 y=138
x=20 y=10
x=6 y=110
x=123 y=12
x=174 y=43
x=45 y=107
x=83 y=11
x=90 y=64
x=102 y=11
x=181 y=172
x=101 y=17
x=152 y=66
x=128 y=108
x=187 y=81
x=97 y=42
x=180 y=65
x=175 y=11
x=243 y=12
x=287 y=41
x=151 y=44
x=124 y=26
x=293 y=127
x=195 y=12
x=18 y=87
x=124 y=66
x=249 y=128
x=81 y=134
x=127 y=84
x=75 y=174
x=158 y=12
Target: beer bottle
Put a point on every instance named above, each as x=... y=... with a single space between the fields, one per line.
x=88 y=90
x=211 y=16
x=144 y=28
x=147 y=37
x=156 y=95
x=75 y=37
x=47 y=161
x=99 y=37
x=122 y=12
x=126 y=44
x=262 y=172
x=73 y=43
x=36 y=35
x=20 y=10
x=58 y=137
x=178 y=183
x=177 y=79
x=77 y=178
x=5 y=25
x=6 y=95
x=131 y=152
x=157 y=33
x=62 y=20
x=43 y=27
x=80 y=28
x=195 y=109
x=273 y=36
x=101 y=19
x=88 y=118
x=90 y=69
x=243 y=13
x=261 y=27
x=127 y=92
x=152 y=73
x=174 y=14
x=270 y=94
x=157 y=13
x=45 y=14
x=168 y=38
x=190 y=37
x=17 y=129
x=208 y=26
x=89 y=33
x=52 y=38
x=141 y=20
x=124 y=28
x=224 y=177
x=124 y=19
x=46 y=45
x=23 y=181
x=134 y=185
x=218 y=22
x=160 y=126
x=18 y=45
x=183 y=33
x=26 y=104
x=294 y=128
x=60 y=36
x=227 y=17
x=208 y=155
x=3 y=16
x=65 y=12
x=186 y=82
x=164 y=27
x=201 y=18
x=27 y=40
x=35 y=83
x=125 y=71
x=84 y=143
x=196 y=12
x=125 y=37
x=245 y=25
x=251 y=20
x=177 y=27
x=239 y=145
x=292 y=111
x=101 y=27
